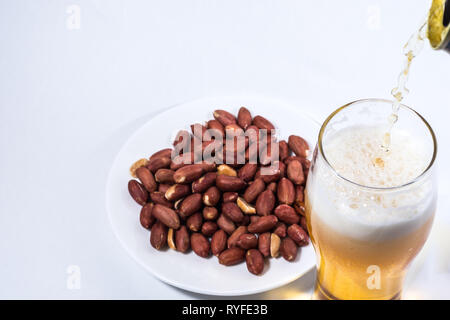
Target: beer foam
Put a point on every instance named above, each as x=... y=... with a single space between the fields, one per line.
x=356 y=154
x=366 y=213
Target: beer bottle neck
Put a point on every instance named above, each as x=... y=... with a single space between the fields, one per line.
x=446 y=19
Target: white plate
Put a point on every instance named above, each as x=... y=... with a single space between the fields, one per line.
x=188 y=271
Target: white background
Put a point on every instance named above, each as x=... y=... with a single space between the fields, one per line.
x=70 y=97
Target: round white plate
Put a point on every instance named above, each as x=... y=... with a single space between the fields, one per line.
x=188 y=271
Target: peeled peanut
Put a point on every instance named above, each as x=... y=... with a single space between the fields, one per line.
x=171 y=239
x=140 y=163
x=275 y=242
x=245 y=207
x=226 y=170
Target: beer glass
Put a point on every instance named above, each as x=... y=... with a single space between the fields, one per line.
x=366 y=236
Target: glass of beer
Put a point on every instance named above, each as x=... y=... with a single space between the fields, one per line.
x=370 y=207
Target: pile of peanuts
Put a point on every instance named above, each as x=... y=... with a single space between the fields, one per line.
x=238 y=210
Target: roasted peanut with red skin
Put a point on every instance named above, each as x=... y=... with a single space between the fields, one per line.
x=263 y=224
x=194 y=222
x=247 y=241
x=230 y=196
x=158 y=163
x=137 y=192
x=286 y=214
x=165 y=176
x=218 y=242
x=160 y=198
x=188 y=174
x=147 y=179
x=233 y=239
x=163 y=187
x=248 y=171
x=216 y=125
x=226 y=224
x=232 y=211
x=158 y=236
x=190 y=204
x=265 y=203
x=203 y=183
x=288 y=249
x=298 y=235
x=166 y=215
x=255 y=261
x=254 y=190
x=284 y=150
x=298 y=145
x=200 y=245
x=146 y=218
x=299 y=195
x=272 y=187
x=208 y=228
x=286 y=191
x=211 y=197
x=227 y=183
x=232 y=256
x=182 y=240
x=264 y=244
x=177 y=191
x=295 y=172
x=244 y=118
x=263 y=123
x=280 y=229
x=163 y=153
x=210 y=213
